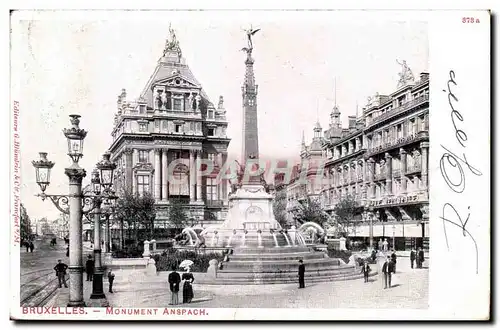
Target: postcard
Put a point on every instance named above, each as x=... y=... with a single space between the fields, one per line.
x=250 y=165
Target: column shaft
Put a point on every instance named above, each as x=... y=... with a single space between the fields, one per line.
x=157 y=177
x=388 y=180
x=164 y=175
x=198 y=176
x=425 y=162
x=224 y=181
x=404 y=179
x=192 y=176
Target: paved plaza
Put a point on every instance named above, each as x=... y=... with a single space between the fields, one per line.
x=136 y=289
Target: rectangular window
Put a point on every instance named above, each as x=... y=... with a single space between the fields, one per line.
x=211 y=131
x=211 y=114
x=142 y=108
x=142 y=184
x=177 y=104
x=143 y=127
x=178 y=128
x=143 y=156
x=412 y=126
x=211 y=189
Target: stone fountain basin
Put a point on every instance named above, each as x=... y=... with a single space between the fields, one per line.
x=296 y=256
x=280 y=265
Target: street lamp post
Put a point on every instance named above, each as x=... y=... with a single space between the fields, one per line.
x=72 y=204
x=102 y=176
x=394 y=236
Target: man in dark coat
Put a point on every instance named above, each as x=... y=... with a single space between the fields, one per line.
x=60 y=269
x=413 y=256
x=365 y=269
x=302 y=271
x=32 y=247
x=387 y=269
x=111 y=279
x=420 y=257
x=89 y=268
x=174 y=279
x=393 y=259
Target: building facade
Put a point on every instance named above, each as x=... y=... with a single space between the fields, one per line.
x=306 y=180
x=164 y=140
x=381 y=160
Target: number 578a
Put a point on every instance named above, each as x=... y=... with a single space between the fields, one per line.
x=470 y=20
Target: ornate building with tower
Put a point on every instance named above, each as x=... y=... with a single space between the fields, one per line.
x=381 y=160
x=163 y=141
x=303 y=184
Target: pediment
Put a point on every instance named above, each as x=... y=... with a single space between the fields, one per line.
x=178 y=81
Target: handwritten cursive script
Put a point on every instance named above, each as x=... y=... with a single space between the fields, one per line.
x=452 y=170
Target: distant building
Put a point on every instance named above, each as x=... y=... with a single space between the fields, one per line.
x=173 y=122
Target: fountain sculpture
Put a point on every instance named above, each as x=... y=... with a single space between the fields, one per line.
x=265 y=252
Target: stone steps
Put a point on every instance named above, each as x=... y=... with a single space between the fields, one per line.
x=279 y=265
x=270 y=250
x=284 y=256
x=284 y=279
x=290 y=272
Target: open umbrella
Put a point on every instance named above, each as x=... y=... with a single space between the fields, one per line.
x=186 y=264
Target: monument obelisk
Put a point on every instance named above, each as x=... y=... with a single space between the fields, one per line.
x=250 y=147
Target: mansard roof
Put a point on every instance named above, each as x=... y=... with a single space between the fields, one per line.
x=170 y=66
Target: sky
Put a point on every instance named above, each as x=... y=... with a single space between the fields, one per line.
x=78 y=62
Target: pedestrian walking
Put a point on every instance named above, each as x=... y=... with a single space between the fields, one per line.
x=27 y=244
x=366 y=271
x=413 y=256
x=387 y=270
x=420 y=257
x=187 y=289
x=393 y=259
x=385 y=245
x=174 y=279
x=89 y=268
x=32 y=247
x=111 y=279
x=60 y=269
x=302 y=272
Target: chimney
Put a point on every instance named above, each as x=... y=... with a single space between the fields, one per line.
x=424 y=76
x=352 y=122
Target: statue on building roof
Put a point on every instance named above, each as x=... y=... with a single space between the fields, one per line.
x=406 y=75
x=172 y=44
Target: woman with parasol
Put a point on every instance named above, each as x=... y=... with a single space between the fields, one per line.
x=188 y=278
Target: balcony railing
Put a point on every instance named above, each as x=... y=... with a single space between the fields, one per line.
x=215 y=203
x=414 y=168
x=396 y=173
x=379 y=176
x=394 y=143
x=406 y=106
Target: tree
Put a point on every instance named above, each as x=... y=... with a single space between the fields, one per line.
x=310 y=210
x=345 y=212
x=177 y=214
x=138 y=211
x=279 y=207
x=25 y=223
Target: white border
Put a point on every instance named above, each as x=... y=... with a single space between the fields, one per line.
x=452 y=297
